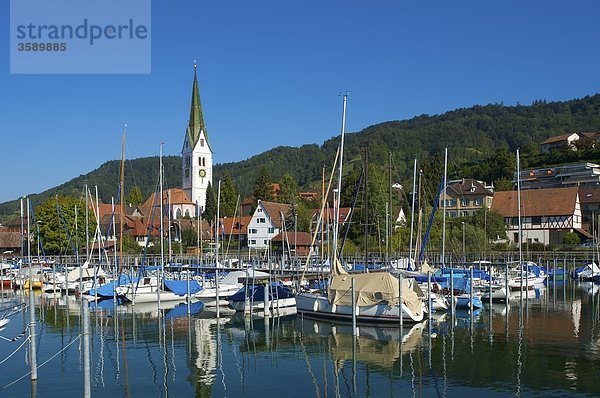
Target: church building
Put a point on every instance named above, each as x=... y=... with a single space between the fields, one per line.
x=196 y=154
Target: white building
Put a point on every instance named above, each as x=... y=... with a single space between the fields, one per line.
x=546 y=214
x=196 y=154
x=267 y=221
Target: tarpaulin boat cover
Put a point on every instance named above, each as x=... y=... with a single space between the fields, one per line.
x=107 y=289
x=372 y=289
x=180 y=288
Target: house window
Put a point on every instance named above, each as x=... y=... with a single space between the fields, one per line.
x=516 y=237
x=271 y=230
x=478 y=202
x=253 y=231
x=201 y=141
x=252 y=241
x=261 y=220
x=259 y=210
x=464 y=202
x=265 y=241
x=536 y=221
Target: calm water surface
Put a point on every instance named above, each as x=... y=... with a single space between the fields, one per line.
x=549 y=346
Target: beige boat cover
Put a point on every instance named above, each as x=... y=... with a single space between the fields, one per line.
x=372 y=289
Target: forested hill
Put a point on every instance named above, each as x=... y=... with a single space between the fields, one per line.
x=471 y=134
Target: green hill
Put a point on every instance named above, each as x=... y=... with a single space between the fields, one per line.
x=471 y=134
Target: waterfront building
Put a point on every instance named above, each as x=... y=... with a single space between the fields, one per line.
x=568 y=175
x=567 y=141
x=464 y=197
x=196 y=153
x=546 y=214
x=267 y=221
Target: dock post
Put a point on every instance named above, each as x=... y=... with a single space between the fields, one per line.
x=429 y=303
x=32 y=342
x=490 y=277
x=267 y=304
x=471 y=289
x=400 y=310
x=452 y=290
x=353 y=309
x=87 y=391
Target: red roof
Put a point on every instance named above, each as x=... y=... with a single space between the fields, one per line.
x=536 y=202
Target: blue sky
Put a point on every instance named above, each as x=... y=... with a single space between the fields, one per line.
x=270 y=73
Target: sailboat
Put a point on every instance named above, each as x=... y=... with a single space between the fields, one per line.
x=376 y=295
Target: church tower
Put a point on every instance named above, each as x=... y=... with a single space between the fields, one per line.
x=196 y=154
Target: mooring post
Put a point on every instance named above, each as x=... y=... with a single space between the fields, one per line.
x=87 y=390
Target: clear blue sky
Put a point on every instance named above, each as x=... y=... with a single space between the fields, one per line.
x=270 y=73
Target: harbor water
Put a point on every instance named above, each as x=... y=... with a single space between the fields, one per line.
x=545 y=343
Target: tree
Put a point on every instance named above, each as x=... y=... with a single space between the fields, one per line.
x=189 y=238
x=263 y=188
x=210 y=209
x=229 y=196
x=134 y=197
x=56 y=221
x=288 y=190
x=491 y=222
x=571 y=238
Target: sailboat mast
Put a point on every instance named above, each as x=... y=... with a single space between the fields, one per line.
x=121 y=201
x=337 y=195
x=162 y=227
x=412 y=209
x=444 y=208
x=519 y=211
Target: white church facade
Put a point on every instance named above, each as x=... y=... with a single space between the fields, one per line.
x=196 y=154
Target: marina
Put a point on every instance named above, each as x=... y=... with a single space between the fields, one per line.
x=184 y=350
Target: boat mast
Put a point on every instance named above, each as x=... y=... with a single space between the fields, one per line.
x=162 y=227
x=121 y=201
x=412 y=211
x=519 y=215
x=444 y=208
x=337 y=195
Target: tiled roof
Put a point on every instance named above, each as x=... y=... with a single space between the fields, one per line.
x=468 y=186
x=10 y=240
x=589 y=194
x=274 y=211
x=557 y=138
x=178 y=197
x=304 y=238
x=330 y=214
x=236 y=225
x=536 y=202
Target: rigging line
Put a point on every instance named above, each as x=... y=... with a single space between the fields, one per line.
x=23 y=333
x=43 y=363
x=15 y=351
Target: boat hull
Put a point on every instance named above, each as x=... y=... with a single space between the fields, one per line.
x=318 y=306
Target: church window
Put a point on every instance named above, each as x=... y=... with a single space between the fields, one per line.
x=178 y=214
x=201 y=141
x=199 y=161
x=187 y=173
x=203 y=162
x=187 y=212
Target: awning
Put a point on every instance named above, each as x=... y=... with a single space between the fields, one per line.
x=583 y=232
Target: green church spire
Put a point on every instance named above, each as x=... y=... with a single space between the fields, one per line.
x=196 y=122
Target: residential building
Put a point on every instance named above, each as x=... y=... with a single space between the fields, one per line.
x=266 y=222
x=569 y=175
x=464 y=197
x=589 y=197
x=10 y=243
x=546 y=214
x=292 y=243
x=559 y=142
x=235 y=228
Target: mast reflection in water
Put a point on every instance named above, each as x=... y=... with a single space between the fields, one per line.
x=545 y=343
